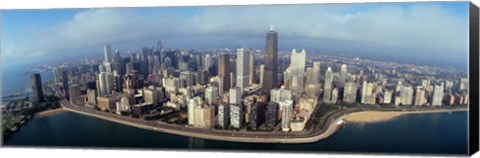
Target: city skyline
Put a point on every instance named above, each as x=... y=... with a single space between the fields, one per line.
x=209 y=75
x=355 y=29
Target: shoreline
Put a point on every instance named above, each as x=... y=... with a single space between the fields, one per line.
x=49 y=112
x=332 y=128
x=375 y=116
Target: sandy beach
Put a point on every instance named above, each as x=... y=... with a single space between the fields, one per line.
x=48 y=112
x=379 y=116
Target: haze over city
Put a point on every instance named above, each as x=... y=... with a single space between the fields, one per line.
x=426 y=33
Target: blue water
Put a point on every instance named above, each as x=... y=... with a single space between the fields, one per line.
x=14 y=79
x=438 y=133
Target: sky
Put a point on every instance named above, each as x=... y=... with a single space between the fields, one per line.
x=425 y=33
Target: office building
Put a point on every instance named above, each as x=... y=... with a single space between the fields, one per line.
x=236 y=115
x=350 y=92
x=407 y=95
x=211 y=95
x=420 y=96
x=280 y=95
x=251 y=68
x=192 y=103
x=316 y=73
x=242 y=68
x=107 y=53
x=235 y=95
x=437 y=95
x=387 y=97
x=37 y=88
x=74 y=92
x=297 y=70
x=271 y=114
x=92 y=97
x=257 y=115
x=343 y=74
x=224 y=115
x=123 y=105
x=65 y=84
x=224 y=71
x=327 y=90
x=57 y=75
x=287 y=113
x=270 y=65
x=203 y=117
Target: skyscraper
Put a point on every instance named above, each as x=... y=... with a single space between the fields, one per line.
x=343 y=74
x=251 y=69
x=270 y=65
x=65 y=84
x=207 y=63
x=271 y=114
x=242 y=68
x=211 y=95
x=406 y=94
x=262 y=73
x=235 y=95
x=236 y=115
x=57 y=75
x=106 y=83
x=287 y=107
x=224 y=115
x=327 y=90
x=437 y=95
x=297 y=69
x=192 y=103
x=420 y=96
x=350 y=92
x=316 y=73
x=107 y=52
x=224 y=71
x=37 y=88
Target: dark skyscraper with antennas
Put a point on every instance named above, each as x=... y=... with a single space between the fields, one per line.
x=270 y=70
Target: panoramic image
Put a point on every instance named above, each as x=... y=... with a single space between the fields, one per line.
x=322 y=78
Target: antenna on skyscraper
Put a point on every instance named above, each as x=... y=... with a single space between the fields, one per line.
x=272 y=27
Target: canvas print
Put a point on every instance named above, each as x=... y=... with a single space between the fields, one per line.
x=323 y=78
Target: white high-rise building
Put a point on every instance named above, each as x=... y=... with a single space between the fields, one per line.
x=316 y=73
x=123 y=105
x=103 y=83
x=235 y=96
x=350 y=92
x=280 y=95
x=387 y=97
x=262 y=73
x=420 y=96
x=208 y=62
x=297 y=69
x=242 y=68
x=192 y=103
x=327 y=90
x=406 y=94
x=437 y=95
x=343 y=73
x=334 y=96
x=107 y=52
x=211 y=95
x=251 y=68
x=287 y=111
x=57 y=75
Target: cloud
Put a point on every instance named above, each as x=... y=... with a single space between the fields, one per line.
x=419 y=30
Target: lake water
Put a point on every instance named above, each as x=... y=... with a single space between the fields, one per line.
x=436 y=133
